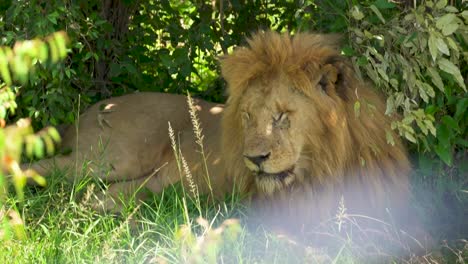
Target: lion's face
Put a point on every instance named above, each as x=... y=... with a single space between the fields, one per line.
x=301 y=132
x=291 y=116
x=273 y=131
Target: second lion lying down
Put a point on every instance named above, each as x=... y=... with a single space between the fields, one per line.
x=288 y=135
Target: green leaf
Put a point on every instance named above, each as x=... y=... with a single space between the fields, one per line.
x=4 y=71
x=60 y=39
x=451 y=9
x=67 y=72
x=377 y=12
x=431 y=109
x=432 y=43
x=394 y=83
x=131 y=69
x=87 y=56
x=384 y=4
x=39 y=179
x=356 y=13
x=21 y=69
x=461 y=142
x=42 y=51
x=409 y=17
x=443 y=135
x=390 y=105
x=52 y=17
x=410 y=137
x=38 y=147
x=362 y=60
x=442 y=47
x=180 y=56
x=166 y=60
x=372 y=74
x=430 y=125
x=444 y=153
x=436 y=80
x=425 y=90
x=115 y=70
x=465 y=14
x=440 y=4
x=450 y=122
x=382 y=73
x=461 y=108
x=186 y=69
x=450 y=29
x=348 y=51
x=445 y=20
x=29 y=146
x=54 y=52
x=449 y=67
x=453 y=46
x=49 y=144
x=428 y=89
x=422 y=92
x=53 y=133
x=422 y=125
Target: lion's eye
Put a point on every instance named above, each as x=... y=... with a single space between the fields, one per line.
x=281 y=120
x=279 y=117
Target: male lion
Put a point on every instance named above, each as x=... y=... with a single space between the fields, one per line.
x=290 y=135
x=294 y=138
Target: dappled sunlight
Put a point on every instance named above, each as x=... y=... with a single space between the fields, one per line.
x=216 y=110
x=108 y=107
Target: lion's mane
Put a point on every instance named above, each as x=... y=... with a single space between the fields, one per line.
x=352 y=159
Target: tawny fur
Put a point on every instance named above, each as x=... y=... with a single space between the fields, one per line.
x=343 y=154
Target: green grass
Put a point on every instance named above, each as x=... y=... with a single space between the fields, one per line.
x=62 y=227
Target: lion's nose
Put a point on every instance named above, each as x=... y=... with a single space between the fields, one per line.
x=258 y=160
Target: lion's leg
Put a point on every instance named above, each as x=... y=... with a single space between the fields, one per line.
x=77 y=167
x=71 y=165
x=46 y=166
x=118 y=194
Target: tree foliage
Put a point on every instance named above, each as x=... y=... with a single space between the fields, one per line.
x=420 y=60
x=415 y=52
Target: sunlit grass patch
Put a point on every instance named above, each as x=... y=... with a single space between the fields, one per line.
x=62 y=227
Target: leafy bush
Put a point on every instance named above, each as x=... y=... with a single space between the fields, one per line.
x=17 y=64
x=121 y=46
x=419 y=59
x=50 y=95
x=416 y=56
x=175 y=43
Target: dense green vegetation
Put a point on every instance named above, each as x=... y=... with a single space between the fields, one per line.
x=415 y=52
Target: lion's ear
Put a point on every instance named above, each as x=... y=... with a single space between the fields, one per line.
x=329 y=77
x=338 y=77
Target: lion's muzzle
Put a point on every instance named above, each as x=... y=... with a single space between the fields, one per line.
x=269 y=183
x=281 y=176
x=254 y=163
